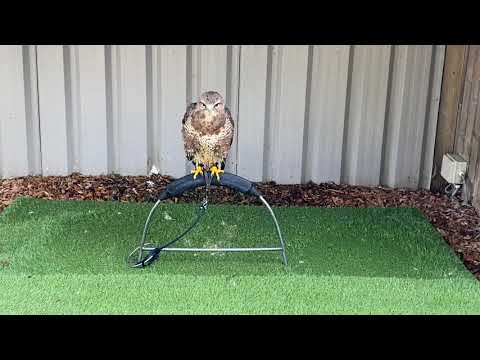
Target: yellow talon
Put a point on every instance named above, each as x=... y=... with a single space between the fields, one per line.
x=216 y=172
x=196 y=171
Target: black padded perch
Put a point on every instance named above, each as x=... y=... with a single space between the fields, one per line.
x=187 y=183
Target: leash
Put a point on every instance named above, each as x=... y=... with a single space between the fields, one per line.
x=154 y=253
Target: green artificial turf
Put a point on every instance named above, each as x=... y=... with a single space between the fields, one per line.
x=68 y=257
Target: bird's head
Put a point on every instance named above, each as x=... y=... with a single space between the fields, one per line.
x=211 y=101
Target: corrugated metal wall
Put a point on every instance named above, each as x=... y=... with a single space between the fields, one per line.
x=354 y=114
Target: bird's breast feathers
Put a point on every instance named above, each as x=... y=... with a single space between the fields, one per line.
x=210 y=139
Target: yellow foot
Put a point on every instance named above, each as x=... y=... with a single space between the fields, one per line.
x=216 y=172
x=196 y=171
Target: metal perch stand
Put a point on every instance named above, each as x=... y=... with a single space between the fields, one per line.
x=176 y=189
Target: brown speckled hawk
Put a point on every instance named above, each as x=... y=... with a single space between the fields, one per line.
x=208 y=133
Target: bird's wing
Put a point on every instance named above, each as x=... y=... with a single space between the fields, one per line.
x=229 y=124
x=189 y=134
x=188 y=112
x=226 y=134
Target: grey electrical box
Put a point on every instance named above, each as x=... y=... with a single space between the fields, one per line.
x=454 y=168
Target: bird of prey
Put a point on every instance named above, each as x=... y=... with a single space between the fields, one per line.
x=207 y=129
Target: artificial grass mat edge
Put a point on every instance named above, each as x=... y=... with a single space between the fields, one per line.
x=217 y=284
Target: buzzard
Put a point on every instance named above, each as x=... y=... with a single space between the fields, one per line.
x=207 y=129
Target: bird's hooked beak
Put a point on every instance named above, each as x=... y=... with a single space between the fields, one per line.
x=210 y=109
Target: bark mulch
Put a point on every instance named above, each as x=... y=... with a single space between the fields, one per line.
x=458 y=224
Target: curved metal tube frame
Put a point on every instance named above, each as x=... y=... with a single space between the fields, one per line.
x=185 y=184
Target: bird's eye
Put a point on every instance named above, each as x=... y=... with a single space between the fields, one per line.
x=202 y=104
x=218 y=105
